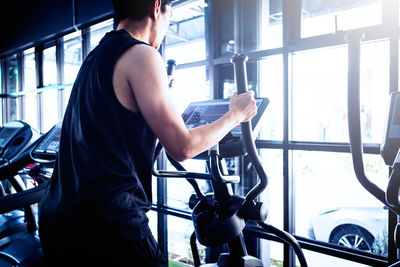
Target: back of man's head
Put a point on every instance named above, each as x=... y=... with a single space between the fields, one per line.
x=135 y=9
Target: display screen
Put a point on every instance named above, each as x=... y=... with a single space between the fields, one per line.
x=51 y=142
x=202 y=113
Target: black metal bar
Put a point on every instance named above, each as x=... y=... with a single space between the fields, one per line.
x=162 y=220
x=342 y=252
x=195 y=251
x=21 y=199
x=29 y=214
x=325 y=248
x=85 y=42
x=288 y=239
x=237 y=246
x=172 y=211
x=354 y=119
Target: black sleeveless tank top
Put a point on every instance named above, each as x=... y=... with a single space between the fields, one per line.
x=103 y=171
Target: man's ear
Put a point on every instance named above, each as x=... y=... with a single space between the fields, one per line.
x=156 y=9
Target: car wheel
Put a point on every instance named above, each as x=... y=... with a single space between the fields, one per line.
x=353 y=236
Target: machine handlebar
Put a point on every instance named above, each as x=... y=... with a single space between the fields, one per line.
x=239 y=63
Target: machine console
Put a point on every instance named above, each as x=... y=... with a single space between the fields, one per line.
x=204 y=112
x=14 y=137
x=391 y=138
x=47 y=149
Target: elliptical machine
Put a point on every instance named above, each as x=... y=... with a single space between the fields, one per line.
x=390 y=148
x=220 y=217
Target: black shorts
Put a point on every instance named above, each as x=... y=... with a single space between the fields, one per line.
x=119 y=253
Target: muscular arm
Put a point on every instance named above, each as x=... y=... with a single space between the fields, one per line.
x=143 y=70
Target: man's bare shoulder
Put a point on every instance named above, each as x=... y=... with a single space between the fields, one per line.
x=141 y=52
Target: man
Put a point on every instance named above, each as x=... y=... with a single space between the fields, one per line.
x=93 y=212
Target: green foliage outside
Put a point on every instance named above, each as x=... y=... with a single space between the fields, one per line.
x=172 y=263
x=380 y=245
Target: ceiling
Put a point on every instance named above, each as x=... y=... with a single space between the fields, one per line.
x=26 y=22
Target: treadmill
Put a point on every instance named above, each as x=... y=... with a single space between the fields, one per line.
x=22 y=248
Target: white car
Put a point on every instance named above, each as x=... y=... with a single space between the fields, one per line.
x=353 y=227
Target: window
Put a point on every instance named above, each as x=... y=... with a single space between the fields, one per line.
x=12 y=87
x=179 y=232
x=267 y=20
x=319 y=95
x=271 y=87
x=304 y=137
x=185 y=40
x=29 y=87
x=318 y=259
x=50 y=75
x=320 y=17
x=272 y=160
x=374 y=86
x=185 y=90
x=50 y=96
x=182 y=96
x=98 y=31
x=72 y=62
x=332 y=206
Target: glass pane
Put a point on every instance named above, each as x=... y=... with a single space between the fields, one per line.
x=319 y=259
x=319 y=108
x=154 y=188
x=13 y=108
x=29 y=71
x=12 y=74
x=271 y=86
x=374 y=86
x=332 y=206
x=179 y=190
x=98 y=31
x=190 y=85
x=152 y=215
x=224 y=27
x=67 y=94
x=49 y=109
x=179 y=232
x=185 y=39
x=319 y=100
x=30 y=109
x=271 y=253
x=226 y=78
x=323 y=17
x=49 y=66
x=29 y=84
x=72 y=56
x=272 y=160
x=269 y=25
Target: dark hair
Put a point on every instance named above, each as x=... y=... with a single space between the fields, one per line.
x=135 y=9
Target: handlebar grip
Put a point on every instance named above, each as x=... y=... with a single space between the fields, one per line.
x=239 y=63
